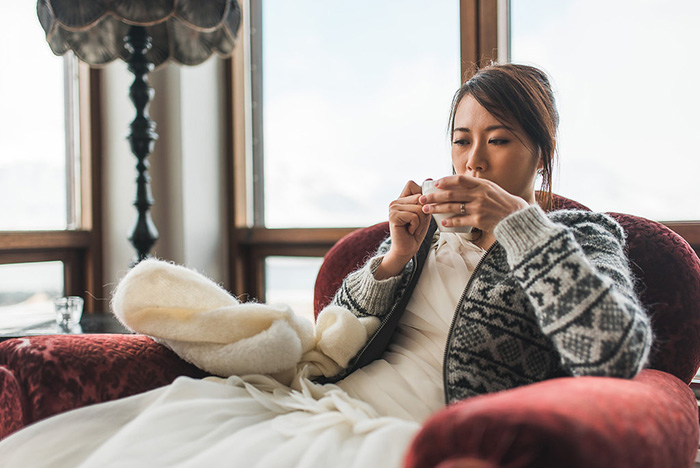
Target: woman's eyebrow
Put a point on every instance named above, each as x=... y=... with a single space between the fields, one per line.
x=490 y=128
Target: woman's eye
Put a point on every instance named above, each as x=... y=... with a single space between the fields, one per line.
x=498 y=141
x=460 y=142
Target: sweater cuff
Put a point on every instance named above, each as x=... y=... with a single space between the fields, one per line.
x=374 y=296
x=524 y=229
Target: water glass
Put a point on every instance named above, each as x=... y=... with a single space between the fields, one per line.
x=68 y=310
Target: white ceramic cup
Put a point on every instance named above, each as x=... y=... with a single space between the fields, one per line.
x=429 y=187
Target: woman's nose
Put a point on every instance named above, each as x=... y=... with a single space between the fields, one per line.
x=477 y=159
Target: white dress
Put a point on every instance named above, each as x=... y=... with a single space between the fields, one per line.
x=367 y=419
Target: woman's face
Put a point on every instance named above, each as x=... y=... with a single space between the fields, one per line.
x=485 y=148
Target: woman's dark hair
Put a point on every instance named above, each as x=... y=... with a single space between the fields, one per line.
x=518 y=94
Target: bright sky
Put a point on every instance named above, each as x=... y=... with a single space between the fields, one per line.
x=356 y=103
x=356 y=100
x=625 y=73
x=32 y=155
x=30 y=91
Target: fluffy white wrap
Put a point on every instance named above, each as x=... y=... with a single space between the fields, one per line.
x=206 y=326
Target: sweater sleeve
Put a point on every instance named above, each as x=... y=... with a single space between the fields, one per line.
x=365 y=296
x=576 y=275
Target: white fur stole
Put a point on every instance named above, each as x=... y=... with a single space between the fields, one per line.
x=208 y=327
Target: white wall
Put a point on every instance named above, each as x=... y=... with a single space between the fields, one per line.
x=203 y=144
x=186 y=168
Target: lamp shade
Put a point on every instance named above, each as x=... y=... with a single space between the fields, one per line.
x=185 y=31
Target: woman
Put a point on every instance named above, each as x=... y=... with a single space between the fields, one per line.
x=551 y=296
x=524 y=297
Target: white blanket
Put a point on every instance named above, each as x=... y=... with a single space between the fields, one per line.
x=254 y=421
x=208 y=327
x=240 y=422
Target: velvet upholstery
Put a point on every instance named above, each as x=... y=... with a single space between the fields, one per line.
x=45 y=375
x=569 y=422
x=668 y=271
x=649 y=421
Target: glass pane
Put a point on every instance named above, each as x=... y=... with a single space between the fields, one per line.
x=356 y=97
x=625 y=75
x=290 y=281
x=32 y=125
x=26 y=294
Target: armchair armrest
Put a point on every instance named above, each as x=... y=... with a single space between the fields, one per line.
x=650 y=421
x=46 y=375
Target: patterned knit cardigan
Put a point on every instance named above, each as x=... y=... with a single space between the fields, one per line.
x=552 y=297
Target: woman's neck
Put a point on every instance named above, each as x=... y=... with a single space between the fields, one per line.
x=485 y=240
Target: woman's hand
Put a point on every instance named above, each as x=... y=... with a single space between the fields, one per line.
x=485 y=203
x=408 y=225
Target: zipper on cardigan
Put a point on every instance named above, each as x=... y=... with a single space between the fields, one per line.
x=353 y=363
x=454 y=319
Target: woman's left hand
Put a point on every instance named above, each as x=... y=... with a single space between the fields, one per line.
x=485 y=203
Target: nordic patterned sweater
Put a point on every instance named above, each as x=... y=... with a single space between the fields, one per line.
x=552 y=297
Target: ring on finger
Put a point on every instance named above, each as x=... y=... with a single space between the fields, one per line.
x=462 y=210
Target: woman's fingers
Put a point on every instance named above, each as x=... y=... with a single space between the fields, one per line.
x=448 y=197
x=460 y=208
x=407 y=215
x=455 y=188
x=470 y=202
x=411 y=188
x=408 y=225
x=407 y=211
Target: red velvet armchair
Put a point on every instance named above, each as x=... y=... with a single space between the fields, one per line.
x=649 y=421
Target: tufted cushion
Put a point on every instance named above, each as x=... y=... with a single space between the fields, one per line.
x=44 y=375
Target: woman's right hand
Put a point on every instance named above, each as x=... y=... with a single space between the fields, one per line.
x=408 y=226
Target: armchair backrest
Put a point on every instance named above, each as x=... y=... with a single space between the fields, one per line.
x=668 y=274
x=667 y=269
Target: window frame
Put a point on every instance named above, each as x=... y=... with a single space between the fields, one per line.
x=483 y=39
x=80 y=249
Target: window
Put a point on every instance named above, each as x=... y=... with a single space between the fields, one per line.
x=354 y=104
x=290 y=281
x=628 y=99
x=48 y=177
x=36 y=182
x=331 y=97
x=350 y=100
x=26 y=290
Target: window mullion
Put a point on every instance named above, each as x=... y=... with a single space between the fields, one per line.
x=256 y=51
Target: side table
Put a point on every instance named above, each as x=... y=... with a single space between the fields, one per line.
x=89 y=323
